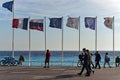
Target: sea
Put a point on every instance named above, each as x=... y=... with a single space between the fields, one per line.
x=57 y=58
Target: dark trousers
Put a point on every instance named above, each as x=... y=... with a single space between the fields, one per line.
x=87 y=69
x=92 y=65
x=97 y=64
x=107 y=63
x=46 y=62
x=117 y=64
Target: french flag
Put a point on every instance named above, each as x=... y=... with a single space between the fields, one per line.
x=21 y=23
x=36 y=24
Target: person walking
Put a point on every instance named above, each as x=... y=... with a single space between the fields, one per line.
x=47 y=59
x=81 y=58
x=97 y=60
x=107 y=60
x=117 y=61
x=21 y=59
x=85 y=64
x=90 y=61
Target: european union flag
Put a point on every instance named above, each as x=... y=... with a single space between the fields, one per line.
x=8 y=5
x=56 y=23
x=90 y=22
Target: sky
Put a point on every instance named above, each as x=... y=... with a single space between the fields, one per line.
x=38 y=9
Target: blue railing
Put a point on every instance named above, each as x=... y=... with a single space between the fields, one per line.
x=10 y=61
x=59 y=63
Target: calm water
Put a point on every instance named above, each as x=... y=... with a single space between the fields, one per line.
x=70 y=57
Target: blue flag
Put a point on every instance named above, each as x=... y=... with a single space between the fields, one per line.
x=8 y=5
x=56 y=23
x=90 y=22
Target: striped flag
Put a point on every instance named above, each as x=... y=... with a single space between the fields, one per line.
x=36 y=24
x=73 y=22
x=21 y=23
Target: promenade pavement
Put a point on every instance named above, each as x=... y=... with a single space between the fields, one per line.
x=56 y=73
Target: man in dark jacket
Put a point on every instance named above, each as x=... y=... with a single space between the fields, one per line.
x=117 y=61
x=85 y=63
x=97 y=59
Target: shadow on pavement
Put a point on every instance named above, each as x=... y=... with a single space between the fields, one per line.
x=62 y=77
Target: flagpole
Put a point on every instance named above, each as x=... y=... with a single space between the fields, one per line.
x=62 y=44
x=45 y=33
x=13 y=32
x=79 y=34
x=29 y=46
x=96 y=34
x=113 y=41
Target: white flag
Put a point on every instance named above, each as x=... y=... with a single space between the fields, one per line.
x=108 y=22
x=73 y=22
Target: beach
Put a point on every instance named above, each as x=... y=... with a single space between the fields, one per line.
x=55 y=73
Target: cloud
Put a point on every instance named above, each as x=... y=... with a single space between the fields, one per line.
x=53 y=8
x=47 y=7
x=109 y=6
x=66 y=7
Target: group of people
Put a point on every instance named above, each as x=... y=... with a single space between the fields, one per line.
x=47 y=59
x=86 y=60
x=98 y=59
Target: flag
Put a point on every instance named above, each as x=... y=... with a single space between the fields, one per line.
x=36 y=24
x=56 y=23
x=8 y=5
x=73 y=22
x=90 y=22
x=20 y=23
x=108 y=22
